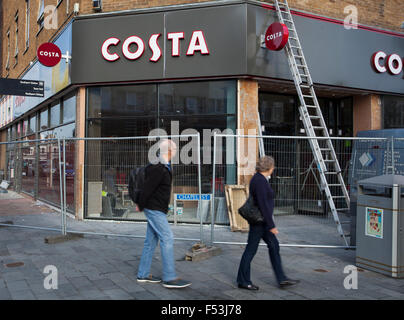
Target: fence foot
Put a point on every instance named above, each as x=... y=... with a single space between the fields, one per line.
x=63 y=238
x=6 y=222
x=200 y=251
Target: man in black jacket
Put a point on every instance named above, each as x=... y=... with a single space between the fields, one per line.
x=154 y=200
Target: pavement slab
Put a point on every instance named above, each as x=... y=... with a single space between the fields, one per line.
x=104 y=268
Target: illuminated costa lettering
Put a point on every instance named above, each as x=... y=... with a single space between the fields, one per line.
x=394 y=64
x=105 y=46
x=127 y=43
x=175 y=42
x=382 y=63
x=196 y=43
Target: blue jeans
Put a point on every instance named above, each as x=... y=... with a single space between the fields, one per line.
x=158 y=229
x=258 y=232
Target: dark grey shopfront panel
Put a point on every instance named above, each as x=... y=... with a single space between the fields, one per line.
x=224 y=31
x=89 y=66
x=336 y=56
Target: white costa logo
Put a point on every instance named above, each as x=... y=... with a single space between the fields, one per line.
x=49 y=54
x=382 y=63
x=197 y=43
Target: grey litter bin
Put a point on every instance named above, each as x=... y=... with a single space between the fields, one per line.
x=380 y=224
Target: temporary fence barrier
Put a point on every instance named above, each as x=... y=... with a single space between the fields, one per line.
x=31 y=167
x=46 y=169
x=105 y=177
x=301 y=210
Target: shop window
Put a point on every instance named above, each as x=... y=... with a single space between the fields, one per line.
x=393 y=112
x=25 y=127
x=41 y=15
x=122 y=101
x=32 y=124
x=277 y=113
x=55 y=115
x=122 y=111
x=69 y=109
x=44 y=119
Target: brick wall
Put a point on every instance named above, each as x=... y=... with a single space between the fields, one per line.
x=387 y=14
x=1 y=38
x=26 y=55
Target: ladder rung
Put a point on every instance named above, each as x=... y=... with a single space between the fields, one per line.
x=291 y=21
x=317 y=117
x=310 y=106
x=338 y=197
x=335 y=185
x=302 y=66
x=303 y=75
x=330 y=172
x=328 y=160
x=306 y=96
x=318 y=128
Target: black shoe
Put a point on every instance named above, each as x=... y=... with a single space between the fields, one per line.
x=288 y=283
x=149 y=279
x=248 y=287
x=176 y=284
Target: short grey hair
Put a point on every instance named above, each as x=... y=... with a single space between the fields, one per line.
x=167 y=145
x=265 y=163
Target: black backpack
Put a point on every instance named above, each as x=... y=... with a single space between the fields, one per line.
x=136 y=182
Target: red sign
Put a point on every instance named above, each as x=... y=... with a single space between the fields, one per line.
x=49 y=54
x=382 y=63
x=196 y=43
x=277 y=36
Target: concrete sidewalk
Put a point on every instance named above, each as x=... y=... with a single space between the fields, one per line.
x=99 y=267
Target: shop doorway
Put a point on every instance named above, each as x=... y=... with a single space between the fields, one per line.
x=294 y=181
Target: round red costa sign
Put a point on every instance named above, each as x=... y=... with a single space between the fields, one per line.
x=49 y=54
x=277 y=36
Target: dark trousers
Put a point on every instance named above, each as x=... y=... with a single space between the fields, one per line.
x=258 y=232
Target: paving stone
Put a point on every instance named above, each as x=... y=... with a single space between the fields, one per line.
x=47 y=296
x=104 y=284
x=144 y=295
x=5 y=294
x=17 y=285
x=118 y=294
x=22 y=295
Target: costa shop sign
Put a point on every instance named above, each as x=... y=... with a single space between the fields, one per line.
x=381 y=62
x=112 y=49
x=276 y=36
x=49 y=54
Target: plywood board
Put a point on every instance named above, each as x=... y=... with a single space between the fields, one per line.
x=236 y=195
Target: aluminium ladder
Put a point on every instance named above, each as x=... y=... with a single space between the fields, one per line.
x=323 y=151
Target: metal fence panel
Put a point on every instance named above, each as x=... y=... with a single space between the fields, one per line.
x=31 y=170
x=107 y=166
x=301 y=209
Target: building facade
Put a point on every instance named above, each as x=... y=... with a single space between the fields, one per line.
x=134 y=67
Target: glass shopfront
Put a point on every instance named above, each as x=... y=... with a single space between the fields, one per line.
x=280 y=117
x=127 y=111
x=393 y=112
x=37 y=173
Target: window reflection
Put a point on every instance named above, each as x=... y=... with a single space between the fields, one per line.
x=393 y=111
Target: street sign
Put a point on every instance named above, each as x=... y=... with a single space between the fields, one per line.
x=21 y=87
x=191 y=196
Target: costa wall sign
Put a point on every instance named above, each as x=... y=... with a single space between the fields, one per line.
x=49 y=54
x=112 y=50
x=276 y=36
x=381 y=62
